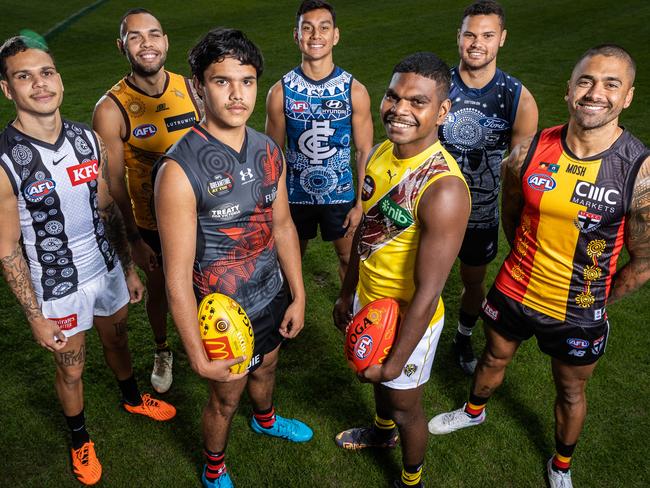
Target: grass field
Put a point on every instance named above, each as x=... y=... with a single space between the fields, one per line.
x=314 y=383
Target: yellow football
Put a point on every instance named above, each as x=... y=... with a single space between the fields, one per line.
x=226 y=330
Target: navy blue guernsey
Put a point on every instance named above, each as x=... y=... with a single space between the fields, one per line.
x=477 y=133
x=235 y=249
x=56 y=190
x=318 y=116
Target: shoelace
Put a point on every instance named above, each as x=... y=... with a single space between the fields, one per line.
x=82 y=454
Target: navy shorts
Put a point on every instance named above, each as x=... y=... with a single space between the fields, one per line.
x=330 y=218
x=577 y=345
x=480 y=246
x=266 y=327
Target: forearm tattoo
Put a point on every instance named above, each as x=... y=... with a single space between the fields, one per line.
x=116 y=233
x=16 y=272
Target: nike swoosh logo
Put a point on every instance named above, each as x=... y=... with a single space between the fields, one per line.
x=57 y=162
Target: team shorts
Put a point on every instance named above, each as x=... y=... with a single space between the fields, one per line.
x=101 y=297
x=330 y=218
x=417 y=369
x=266 y=327
x=573 y=344
x=152 y=239
x=480 y=246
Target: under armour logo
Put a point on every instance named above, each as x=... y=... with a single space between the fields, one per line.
x=314 y=143
x=390 y=176
x=246 y=176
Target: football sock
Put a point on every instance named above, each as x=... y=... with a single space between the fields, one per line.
x=384 y=428
x=562 y=458
x=265 y=418
x=77 y=426
x=216 y=464
x=130 y=391
x=162 y=345
x=466 y=323
x=412 y=475
x=475 y=405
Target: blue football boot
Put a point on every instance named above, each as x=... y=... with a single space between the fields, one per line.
x=222 y=481
x=290 y=429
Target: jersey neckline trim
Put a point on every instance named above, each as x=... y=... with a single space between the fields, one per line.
x=596 y=157
x=317 y=82
x=476 y=92
x=54 y=147
x=134 y=87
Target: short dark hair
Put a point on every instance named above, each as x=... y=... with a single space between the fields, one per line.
x=611 y=50
x=485 y=7
x=132 y=11
x=309 y=5
x=428 y=65
x=18 y=44
x=223 y=43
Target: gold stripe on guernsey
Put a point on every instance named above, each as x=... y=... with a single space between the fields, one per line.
x=557 y=235
x=154 y=124
x=391 y=230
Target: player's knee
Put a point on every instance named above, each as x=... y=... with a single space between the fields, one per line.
x=70 y=376
x=222 y=407
x=571 y=395
x=494 y=359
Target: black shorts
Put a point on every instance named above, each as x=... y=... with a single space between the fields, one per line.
x=152 y=239
x=307 y=218
x=573 y=344
x=266 y=327
x=480 y=246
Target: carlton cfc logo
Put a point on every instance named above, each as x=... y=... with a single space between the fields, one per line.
x=540 y=182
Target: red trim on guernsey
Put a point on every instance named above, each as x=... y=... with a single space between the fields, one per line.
x=616 y=252
x=199 y=133
x=549 y=148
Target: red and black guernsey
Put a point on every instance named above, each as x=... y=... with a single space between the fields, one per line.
x=572 y=227
x=235 y=249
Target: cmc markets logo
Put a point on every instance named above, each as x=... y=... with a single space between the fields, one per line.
x=83 y=173
x=595 y=197
x=145 y=131
x=36 y=191
x=540 y=182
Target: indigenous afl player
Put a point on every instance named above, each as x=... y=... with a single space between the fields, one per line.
x=321 y=110
x=63 y=249
x=225 y=227
x=415 y=209
x=573 y=196
x=139 y=118
x=491 y=112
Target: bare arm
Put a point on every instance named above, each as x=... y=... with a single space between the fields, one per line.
x=443 y=212
x=526 y=119
x=275 y=124
x=286 y=240
x=176 y=211
x=342 y=312
x=362 y=134
x=109 y=123
x=115 y=232
x=637 y=240
x=512 y=197
x=16 y=271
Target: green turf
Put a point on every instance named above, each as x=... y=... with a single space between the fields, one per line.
x=314 y=383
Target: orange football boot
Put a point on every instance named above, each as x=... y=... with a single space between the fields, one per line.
x=85 y=465
x=150 y=407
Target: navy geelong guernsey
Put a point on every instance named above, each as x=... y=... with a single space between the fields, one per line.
x=318 y=116
x=56 y=189
x=235 y=248
x=477 y=133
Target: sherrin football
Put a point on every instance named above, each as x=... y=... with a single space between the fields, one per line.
x=226 y=330
x=371 y=333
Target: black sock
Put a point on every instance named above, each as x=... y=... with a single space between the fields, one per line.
x=466 y=323
x=162 y=345
x=412 y=475
x=130 y=392
x=77 y=426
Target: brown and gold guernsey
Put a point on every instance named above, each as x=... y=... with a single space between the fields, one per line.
x=572 y=226
x=153 y=125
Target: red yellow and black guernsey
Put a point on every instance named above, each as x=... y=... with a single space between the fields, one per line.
x=572 y=227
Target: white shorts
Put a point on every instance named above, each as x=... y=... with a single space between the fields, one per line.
x=417 y=369
x=102 y=297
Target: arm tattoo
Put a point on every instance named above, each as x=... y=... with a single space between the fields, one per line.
x=104 y=164
x=16 y=272
x=637 y=239
x=512 y=199
x=116 y=233
x=71 y=358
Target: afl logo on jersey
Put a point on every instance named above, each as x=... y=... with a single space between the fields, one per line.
x=540 y=182
x=145 y=131
x=368 y=188
x=36 y=191
x=299 y=106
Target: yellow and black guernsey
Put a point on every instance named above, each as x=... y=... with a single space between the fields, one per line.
x=153 y=125
x=390 y=232
x=572 y=227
